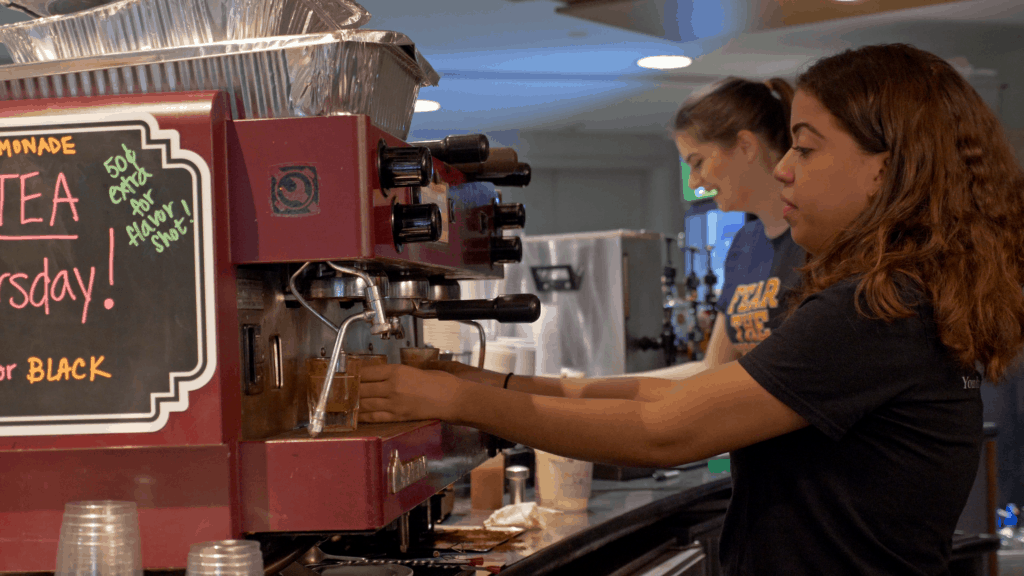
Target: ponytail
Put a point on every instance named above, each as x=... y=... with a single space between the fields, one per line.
x=736 y=104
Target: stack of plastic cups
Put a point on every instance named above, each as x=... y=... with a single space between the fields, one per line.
x=99 y=538
x=225 y=558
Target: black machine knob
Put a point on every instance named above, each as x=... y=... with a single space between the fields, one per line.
x=506 y=250
x=521 y=177
x=471 y=148
x=508 y=308
x=509 y=216
x=416 y=223
x=401 y=167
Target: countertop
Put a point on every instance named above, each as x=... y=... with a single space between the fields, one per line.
x=614 y=508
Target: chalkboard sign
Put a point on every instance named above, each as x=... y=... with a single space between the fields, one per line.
x=105 y=274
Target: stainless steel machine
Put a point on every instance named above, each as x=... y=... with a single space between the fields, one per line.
x=601 y=294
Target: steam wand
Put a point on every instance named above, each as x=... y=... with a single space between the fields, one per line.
x=319 y=415
x=374 y=314
x=483 y=340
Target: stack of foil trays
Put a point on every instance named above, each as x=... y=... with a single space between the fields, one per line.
x=275 y=58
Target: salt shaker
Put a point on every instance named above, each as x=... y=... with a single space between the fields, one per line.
x=517 y=476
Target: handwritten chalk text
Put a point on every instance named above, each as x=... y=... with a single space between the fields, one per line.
x=151 y=216
x=117 y=166
x=46 y=288
x=67 y=370
x=60 y=185
x=17 y=146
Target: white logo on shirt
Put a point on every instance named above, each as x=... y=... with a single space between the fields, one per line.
x=971 y=383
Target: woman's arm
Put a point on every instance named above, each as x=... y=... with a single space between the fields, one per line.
x=720 y=351
x=714 y=412
x=644 y=386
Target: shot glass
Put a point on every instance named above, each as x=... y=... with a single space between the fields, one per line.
x=343 y=402
x=99 y=538
x=417 y=357
x=225 y=558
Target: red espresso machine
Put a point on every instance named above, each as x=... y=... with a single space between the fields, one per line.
x=177 y=237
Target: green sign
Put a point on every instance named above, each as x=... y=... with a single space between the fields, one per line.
x=690 y=195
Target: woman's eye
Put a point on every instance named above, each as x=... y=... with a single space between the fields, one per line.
x=803 y=152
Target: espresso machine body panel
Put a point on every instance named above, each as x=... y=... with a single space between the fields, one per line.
x=309 y=189
x=376 y=473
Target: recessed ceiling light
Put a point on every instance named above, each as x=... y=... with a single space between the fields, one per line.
x=427 y=106
x=664 y=62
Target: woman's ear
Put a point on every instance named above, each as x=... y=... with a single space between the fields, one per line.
x=749 y=145
x=883 y=168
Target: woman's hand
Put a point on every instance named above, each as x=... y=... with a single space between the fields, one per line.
x=398 y=393
x=450 y=366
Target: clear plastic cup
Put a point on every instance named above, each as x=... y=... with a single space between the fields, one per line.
x=342 y=410
x=99 y=538
x=225 y=558
x=562 y=483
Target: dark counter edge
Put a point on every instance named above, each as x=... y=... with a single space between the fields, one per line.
x=591 y=539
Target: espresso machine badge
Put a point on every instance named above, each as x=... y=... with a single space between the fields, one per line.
x=106 y=290
x=294 y=190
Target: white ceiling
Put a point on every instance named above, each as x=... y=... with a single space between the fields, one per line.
x=519 y=65
x=510 y=65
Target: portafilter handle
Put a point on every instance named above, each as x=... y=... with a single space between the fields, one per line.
x=517 y=308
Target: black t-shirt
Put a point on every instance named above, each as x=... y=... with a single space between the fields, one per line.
x=877 y=482
x=759 y=277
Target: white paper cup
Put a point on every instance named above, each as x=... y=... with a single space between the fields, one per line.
x=562 y=483
x=225 y=558
x=99 y=538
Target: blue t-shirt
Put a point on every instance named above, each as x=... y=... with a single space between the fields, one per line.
x=760 y=275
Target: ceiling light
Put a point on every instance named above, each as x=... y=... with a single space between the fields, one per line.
x=664 y=62
x=427 y=106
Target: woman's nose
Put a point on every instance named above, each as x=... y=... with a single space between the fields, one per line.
x=695 y=180
x=783 y=171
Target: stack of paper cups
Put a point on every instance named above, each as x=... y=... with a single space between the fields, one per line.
x=99 y=538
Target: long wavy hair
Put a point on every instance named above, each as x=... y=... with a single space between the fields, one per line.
x=949 y=217
x=718 y=113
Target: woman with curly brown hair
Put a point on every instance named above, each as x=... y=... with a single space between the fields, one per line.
x=855 y=427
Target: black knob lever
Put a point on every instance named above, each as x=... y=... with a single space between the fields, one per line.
x=401 y=167
x=520 y=177
x=511 y=308
x=509 y=216
x=415 y=223
x=470 y=148
x=506 y=250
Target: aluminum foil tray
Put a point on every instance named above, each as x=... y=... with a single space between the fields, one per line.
x=377 y=73
x=132 y=25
